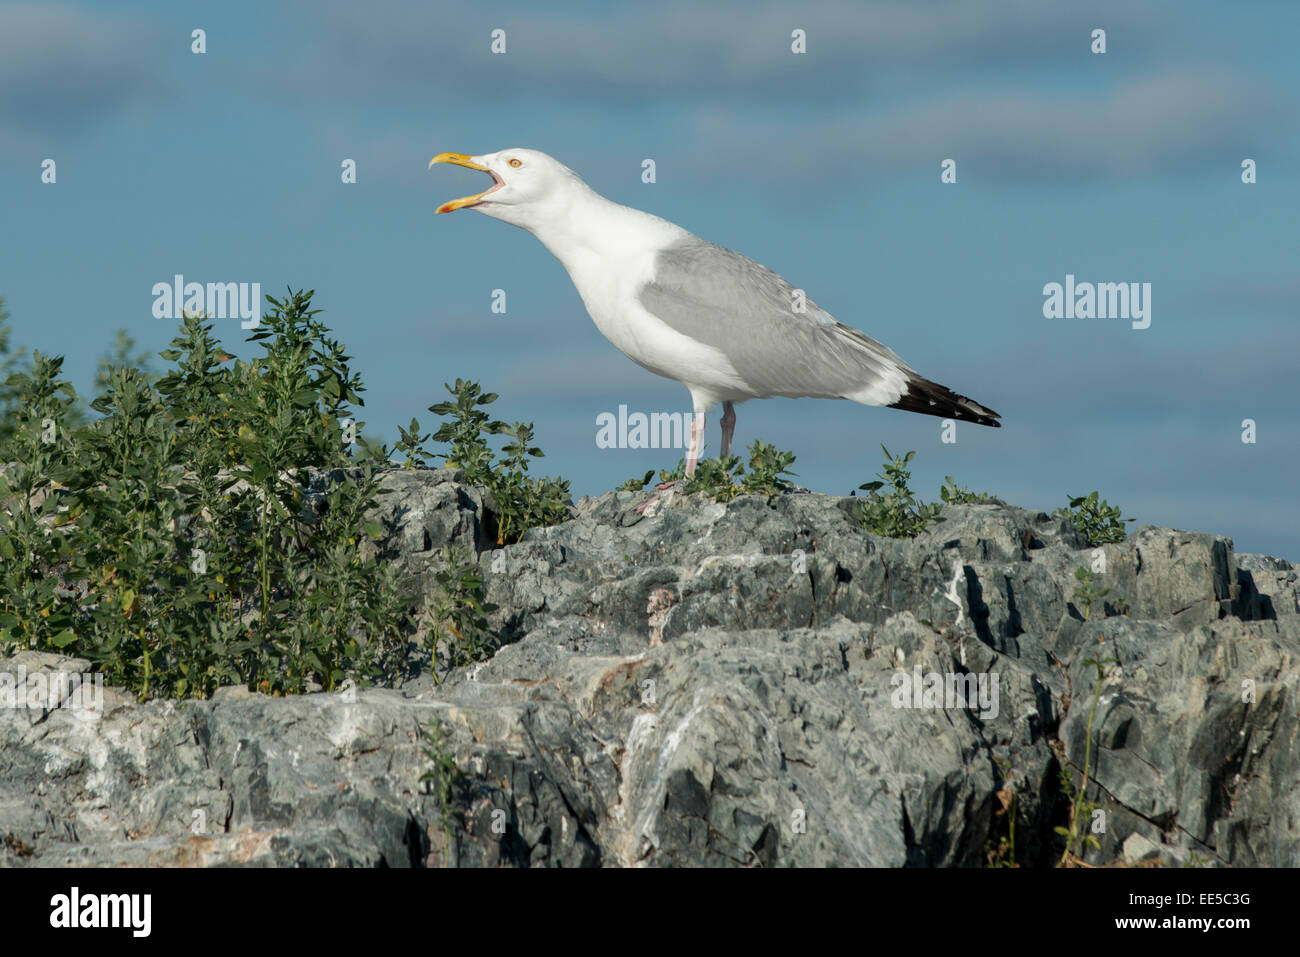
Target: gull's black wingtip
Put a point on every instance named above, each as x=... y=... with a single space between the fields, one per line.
x=930 y=398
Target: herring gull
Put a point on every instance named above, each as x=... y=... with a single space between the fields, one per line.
x=722 y=325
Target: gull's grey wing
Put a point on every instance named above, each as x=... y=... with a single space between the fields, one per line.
x=747 y=312
x=723 y=299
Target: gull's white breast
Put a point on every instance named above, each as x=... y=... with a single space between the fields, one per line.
x=609 y=274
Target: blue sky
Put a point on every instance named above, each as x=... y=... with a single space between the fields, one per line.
x=1121 y=167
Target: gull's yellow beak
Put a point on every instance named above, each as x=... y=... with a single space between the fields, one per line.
x=460 y=159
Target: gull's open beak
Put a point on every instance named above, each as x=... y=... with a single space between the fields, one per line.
x=460 y=159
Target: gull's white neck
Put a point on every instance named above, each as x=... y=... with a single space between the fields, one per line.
x=582 y=229
x=611 y=252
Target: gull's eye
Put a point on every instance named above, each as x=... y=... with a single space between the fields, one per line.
x=516 y=163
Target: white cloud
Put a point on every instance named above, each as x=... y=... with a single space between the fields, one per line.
x=654 y=52
x=1141 y=126
x=62 y=65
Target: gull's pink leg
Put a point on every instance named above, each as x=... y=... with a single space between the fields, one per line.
x=728 y=427
x=697 y=442
x=692 y=456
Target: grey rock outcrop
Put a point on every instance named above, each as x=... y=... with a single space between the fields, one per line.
x=737 y=685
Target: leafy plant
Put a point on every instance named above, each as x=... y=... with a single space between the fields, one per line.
x=459 y=613
x=675 y=474
x=464 y=430
x=443 y=773
x=767 y=466
x=522 y=501
x=10 y=362
x=896 y=512
x=1098 y=521
x=411 y=445
x=206 y=527
x=635 y=484
x=122 y=354
x=35 y=612
x=1077 y=839
x=953 y=494
x=1090 y=590
x=722 y=479
x=716 y=478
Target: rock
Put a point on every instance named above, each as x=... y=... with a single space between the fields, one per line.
x=760 y=683
x=1137 y=849
x=421 y=510
x=1277 y=593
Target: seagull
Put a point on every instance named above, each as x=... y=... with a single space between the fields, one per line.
x=719 y=323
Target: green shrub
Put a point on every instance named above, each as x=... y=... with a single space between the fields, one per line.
x=442 y=773
x=459 y=614
x=1089 y=591
x=10 y=363
x=177 y=540
x=411 y=445
x=1098 y=521
x=1077 y=835
x=722 y=479
x=36 y=611
x=895 y=511
x=523 y=502
x=953 y=494
x=635 y=484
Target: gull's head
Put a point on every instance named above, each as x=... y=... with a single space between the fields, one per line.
x=525 y=183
